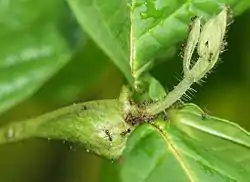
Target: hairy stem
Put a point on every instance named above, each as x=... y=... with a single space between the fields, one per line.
x=172 y=96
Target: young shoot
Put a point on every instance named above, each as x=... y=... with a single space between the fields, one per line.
x=208 y=43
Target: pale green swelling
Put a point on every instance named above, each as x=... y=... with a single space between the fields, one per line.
x=86 y=123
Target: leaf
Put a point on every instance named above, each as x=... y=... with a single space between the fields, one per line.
x=33 y=47
x=156 y=90
x=241 y=7
x=156 y=26
x=107 y=22
x=86 y=72
x=109 y=172
x=159 y=25
x=150 y=90
x=191 y=146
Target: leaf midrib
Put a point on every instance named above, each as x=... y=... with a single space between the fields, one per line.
x=175 y=153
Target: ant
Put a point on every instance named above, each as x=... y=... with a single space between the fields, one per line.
x=108 y=134
x=127 y=131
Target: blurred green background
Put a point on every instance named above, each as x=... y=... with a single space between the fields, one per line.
x=91 y=75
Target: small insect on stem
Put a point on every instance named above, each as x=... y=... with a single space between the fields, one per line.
x=108 y=134
x=206 y=43
x=210 y=57
x=165 y=117
x=204 y=116
x=84 y=107
x=81 y=110
x=127 y=131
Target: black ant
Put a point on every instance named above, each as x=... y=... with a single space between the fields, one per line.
x=127 y=131
x=110 y=138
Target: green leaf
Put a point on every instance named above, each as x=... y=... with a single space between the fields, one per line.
x=241 y=7
x=159 y=25
x=107 y=22
x=190 y=146
x=154 y=90
x=109 y=172
x=32 y=48
x=86 y=72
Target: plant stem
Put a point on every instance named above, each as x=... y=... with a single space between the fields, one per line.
x=172 y=96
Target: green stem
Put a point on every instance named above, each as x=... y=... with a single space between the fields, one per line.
x=98 y=125
x=172 y=96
